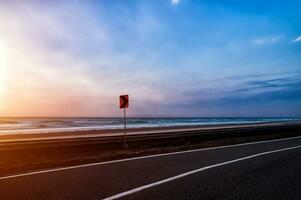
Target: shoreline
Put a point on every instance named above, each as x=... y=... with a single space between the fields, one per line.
x=28 y=136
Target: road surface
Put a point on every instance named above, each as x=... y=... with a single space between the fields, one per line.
x=261 y=170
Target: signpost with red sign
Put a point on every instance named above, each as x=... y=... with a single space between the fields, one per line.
x=124 y=104
x=124 y=101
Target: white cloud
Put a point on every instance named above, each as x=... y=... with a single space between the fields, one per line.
x=175 y=2
x=47 y=55
x=265 y=40
x=298 y=39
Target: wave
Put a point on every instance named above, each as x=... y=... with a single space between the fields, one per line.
x=45 y=125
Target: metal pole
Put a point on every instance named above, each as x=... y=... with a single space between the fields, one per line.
x=125 y=146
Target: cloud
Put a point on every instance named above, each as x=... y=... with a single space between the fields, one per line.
x=265 y=40
x=243 y=86
x=175 y=2
x=298 y=39
x=277 y=95
x=261 y=86
x=76 y=56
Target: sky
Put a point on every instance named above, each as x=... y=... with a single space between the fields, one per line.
x=173 y=57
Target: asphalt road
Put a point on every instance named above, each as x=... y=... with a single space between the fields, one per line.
x=266 y=170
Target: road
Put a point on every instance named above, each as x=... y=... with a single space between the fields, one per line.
x=261 y=170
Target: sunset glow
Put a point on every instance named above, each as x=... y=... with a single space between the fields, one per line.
x=173 y=57
x=4 y=66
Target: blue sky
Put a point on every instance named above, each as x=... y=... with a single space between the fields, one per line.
x=174 y=57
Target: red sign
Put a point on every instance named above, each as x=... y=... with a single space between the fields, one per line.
x=124 y=101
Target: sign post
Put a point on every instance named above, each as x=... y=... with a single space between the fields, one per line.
x=124 y=104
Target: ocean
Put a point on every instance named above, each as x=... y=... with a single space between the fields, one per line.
x=46 y=125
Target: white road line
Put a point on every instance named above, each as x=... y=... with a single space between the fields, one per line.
x=138 y=189
x=142 y=157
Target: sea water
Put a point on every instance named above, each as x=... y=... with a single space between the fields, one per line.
x=45 y=125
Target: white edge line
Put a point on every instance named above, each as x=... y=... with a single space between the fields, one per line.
x=138 y=189
x=141 y=157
